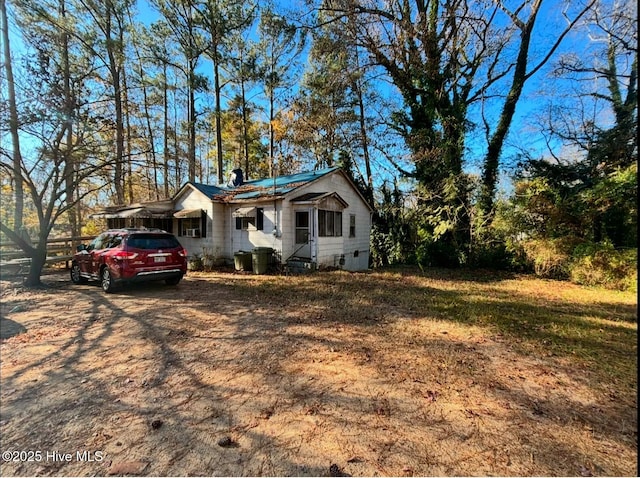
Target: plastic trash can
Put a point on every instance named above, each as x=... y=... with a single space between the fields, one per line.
x=261 y=258
x=242 y=260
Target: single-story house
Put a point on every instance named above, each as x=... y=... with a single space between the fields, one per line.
x=319 y=217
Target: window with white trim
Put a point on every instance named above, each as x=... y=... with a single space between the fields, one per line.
x=190 y=227
x=329 y=223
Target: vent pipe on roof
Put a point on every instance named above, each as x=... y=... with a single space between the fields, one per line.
x=237 y=178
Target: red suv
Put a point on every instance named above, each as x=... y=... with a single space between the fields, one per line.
x=130 y=255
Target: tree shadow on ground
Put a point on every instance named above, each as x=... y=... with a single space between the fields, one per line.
x=114 y=374
x=227 y=355
x=10 y=328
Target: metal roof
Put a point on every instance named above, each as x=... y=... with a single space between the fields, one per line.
x=262 y=188
x=207 y=189
x=283 y=181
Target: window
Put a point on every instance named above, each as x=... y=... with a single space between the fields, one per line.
x=352 y=225
x=193 y=226
x=329 y=223
x=117 y=223
x=105 y=241
x=249 y=219
x=245 y=223
x=152 y=241
x=100 y=242
x=190 y=227
x=114 y=241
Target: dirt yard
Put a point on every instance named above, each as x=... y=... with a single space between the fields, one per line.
x=330 y=374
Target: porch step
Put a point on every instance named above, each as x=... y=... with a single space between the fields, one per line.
x=297 y=265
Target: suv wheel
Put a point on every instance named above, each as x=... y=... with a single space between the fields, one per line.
x=106 y=280
x=76 y=278
x=173 y=280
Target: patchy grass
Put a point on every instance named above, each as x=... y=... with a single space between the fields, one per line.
x=393 y=372
x=540 y=317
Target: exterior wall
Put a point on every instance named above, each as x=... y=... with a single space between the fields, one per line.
x=288 y=229
x=223 y=239
x=215 y=227
x=329 y=250
x=246 y=240
x=216 y=236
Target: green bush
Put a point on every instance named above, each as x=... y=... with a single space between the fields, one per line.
x=500 y=254
x=602 y=265
x=388 y=248
x=438 y=253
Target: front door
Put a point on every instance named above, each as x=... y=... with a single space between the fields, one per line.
x=304 y=237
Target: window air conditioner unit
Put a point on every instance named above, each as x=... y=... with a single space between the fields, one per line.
x=192 y=233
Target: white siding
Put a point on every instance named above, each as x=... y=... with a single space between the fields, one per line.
x=246 y=240
x=215 y=227
x=330 y=249
x=216 y=237
x=223 y=239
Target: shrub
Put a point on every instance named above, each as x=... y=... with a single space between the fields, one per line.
x=491 y=251
x=551 y=258
x=440 y=253
x=386 y=248
x=601 y=264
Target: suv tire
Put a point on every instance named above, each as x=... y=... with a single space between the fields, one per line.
x=76 y=278
x=173 y=280
x=106 y=281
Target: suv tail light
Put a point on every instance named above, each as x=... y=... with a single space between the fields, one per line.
x=124 y=255
x=182 y=252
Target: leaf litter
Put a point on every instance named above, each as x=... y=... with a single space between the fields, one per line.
x=331 y=374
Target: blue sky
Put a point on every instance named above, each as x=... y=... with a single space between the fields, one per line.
x=538 y=91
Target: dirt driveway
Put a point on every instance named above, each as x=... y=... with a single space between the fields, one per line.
x=230 y=374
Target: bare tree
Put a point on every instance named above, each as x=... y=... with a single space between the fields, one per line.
x=522 y=72
x=61 y=168
x=13 y=121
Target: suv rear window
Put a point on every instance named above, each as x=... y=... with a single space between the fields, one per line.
x=152 y=241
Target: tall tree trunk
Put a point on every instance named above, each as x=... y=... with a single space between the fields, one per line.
x=272 y=117
x=365 y=142
x=151 y=137
x=127 y=119
x=192 y=123
x=520 y=76
x=176 y=148
x=38 y=261
x=245 y=130
x=491 y=162
x=165 y=105
x=13 y=124
x=114 y=70
x=216 y=80
x=69 y=106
